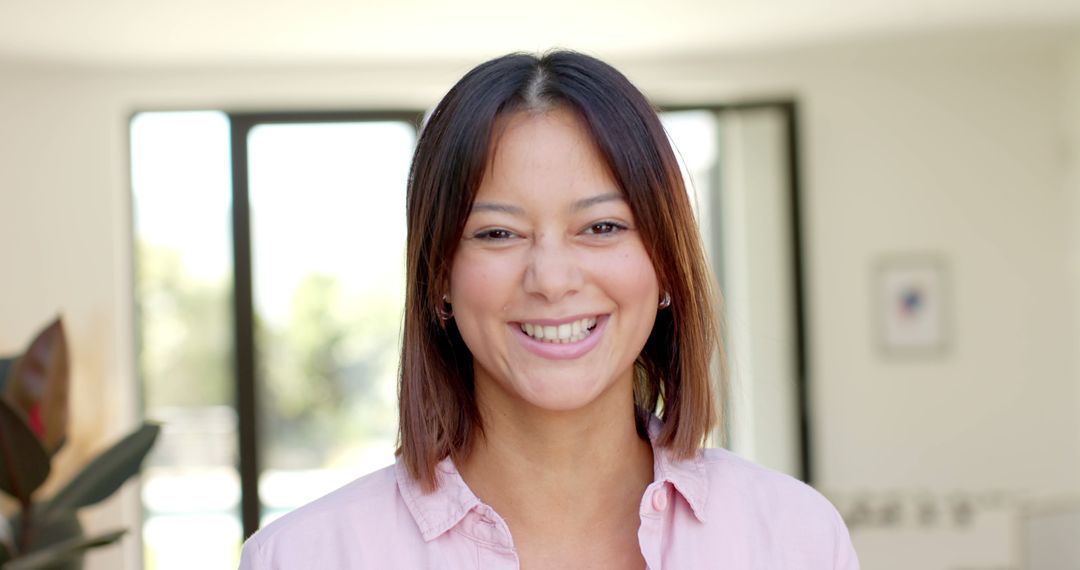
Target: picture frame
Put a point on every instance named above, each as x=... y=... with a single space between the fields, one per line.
x=913 y=305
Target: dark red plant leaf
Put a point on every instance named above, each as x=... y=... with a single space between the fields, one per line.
x=24 y=463
x=38 y=385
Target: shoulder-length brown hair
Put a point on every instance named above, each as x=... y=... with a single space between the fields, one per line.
x=438 y=413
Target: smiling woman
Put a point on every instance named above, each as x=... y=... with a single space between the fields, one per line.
x=555 y=389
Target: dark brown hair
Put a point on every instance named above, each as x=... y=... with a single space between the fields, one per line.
x=439 y=416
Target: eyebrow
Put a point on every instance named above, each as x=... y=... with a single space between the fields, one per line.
x=594 y=200
x=518 y=211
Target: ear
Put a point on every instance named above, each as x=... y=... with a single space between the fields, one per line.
x=38 y=382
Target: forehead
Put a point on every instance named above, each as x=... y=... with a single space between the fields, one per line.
x=545 y=156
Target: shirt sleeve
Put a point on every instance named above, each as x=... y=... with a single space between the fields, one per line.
x=251 y=557
x=844 y=557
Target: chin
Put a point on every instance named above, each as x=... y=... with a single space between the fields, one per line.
x=561 y=393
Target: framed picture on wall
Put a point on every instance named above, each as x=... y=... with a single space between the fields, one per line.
x=913 y=305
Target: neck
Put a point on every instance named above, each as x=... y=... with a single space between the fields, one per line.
x=566 y=471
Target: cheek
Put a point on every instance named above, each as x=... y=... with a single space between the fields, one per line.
x=628 y=276
x=479 y=284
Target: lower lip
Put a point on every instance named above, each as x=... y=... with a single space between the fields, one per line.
x=558 y=351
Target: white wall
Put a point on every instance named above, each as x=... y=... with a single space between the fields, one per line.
x=933 y=145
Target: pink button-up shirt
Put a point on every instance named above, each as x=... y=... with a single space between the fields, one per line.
x=714 y=511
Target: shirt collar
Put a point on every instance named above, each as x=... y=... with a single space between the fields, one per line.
x=687 y=476
x=439 y=511
x=442 y=509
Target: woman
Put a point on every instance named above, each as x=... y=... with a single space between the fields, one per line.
x=555 y=378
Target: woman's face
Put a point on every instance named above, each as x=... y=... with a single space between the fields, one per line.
x=551 y=286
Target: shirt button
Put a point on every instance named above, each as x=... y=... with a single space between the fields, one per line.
x=659 y=499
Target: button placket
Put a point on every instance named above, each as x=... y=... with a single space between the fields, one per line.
x=654 y=502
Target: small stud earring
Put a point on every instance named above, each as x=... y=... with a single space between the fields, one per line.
x=443 y=313
x=665 y=301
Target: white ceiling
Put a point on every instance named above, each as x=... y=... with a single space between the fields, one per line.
x=201 y=32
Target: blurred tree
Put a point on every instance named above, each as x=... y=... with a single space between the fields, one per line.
x=323 y=369
x=186 y=352
x=328 y=373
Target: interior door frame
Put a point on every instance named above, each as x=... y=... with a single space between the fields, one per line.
x=789 y=113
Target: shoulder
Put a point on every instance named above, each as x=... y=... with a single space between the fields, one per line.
x=768 y=508
x=732 y=478
x=326 y=529
x=345 y=505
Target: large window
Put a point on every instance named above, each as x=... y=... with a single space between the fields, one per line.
x=300 y=220
x=270 y=284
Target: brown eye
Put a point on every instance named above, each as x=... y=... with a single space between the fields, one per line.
x=604 y=228
x=494 y=235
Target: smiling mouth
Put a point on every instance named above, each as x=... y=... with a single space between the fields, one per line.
x=565 y=333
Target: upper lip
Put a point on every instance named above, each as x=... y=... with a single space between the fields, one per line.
x=560 y=321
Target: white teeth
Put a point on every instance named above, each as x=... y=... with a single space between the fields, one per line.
x=561 y=334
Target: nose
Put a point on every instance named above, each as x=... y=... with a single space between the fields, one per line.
x=553 y=271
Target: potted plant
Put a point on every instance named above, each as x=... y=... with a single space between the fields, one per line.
x=33 y=427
